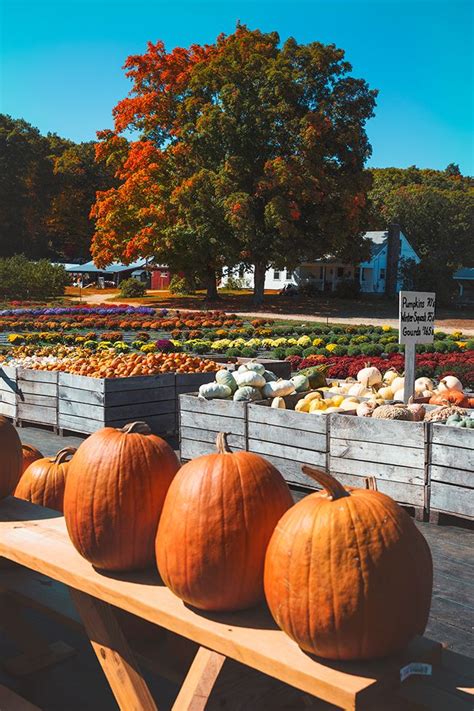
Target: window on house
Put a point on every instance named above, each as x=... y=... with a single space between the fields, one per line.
x=357 y=273
x=340 y=271
x=276 y=275
x=382 y=273
x=289 y=273
x=241 y=271
x=363 y=274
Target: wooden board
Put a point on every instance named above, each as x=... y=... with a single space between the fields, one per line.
x=37 y=396
x=201 y=420
x=451 y=470
x=38 y=539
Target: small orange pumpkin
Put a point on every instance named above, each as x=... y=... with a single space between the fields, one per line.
x=219 y=514
x=44 y=481
x=30 y=455
x=347 y=573
x=450 y=397
x=115 y=489
x=11 y=458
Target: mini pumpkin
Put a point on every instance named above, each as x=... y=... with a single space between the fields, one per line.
x=30 y=454
x=347 y=574
x=115 y=489
x=218 y=517
x=11 y=458
x=43 y=482
x=450 y=397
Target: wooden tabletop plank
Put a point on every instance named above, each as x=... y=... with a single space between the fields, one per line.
x=37 y=538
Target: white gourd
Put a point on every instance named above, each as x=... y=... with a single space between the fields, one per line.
x=386 y=393
x=389 y=376
x=359 y=390
x=242 y=368
x=225 y=377
x=450 y=382
x=247 y=393
x=399 y=395
x=212 y=391
x=249 y=377
x=423 y=384
x=369 y=376
x=256 y=367
x=278 y=403
x=301 y=383
x=279 y=388
x=397 y=383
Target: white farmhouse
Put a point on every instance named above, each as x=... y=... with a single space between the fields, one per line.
x=379 y=274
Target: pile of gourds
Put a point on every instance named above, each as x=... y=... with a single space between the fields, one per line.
x=252 y=381
x=345 y=572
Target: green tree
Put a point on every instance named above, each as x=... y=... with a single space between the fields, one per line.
x=248 y=151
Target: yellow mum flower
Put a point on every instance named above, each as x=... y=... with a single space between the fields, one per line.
x=331 y=346
x=317 y=342
x=386 y=328
x=461 y=344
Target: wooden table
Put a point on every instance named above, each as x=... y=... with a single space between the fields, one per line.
x=37 y=539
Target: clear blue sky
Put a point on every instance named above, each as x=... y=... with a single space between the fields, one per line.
x=61 y=61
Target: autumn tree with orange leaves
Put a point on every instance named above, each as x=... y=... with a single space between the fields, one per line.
x=245 y=151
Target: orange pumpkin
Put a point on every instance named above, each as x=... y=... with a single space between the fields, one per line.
x=347 y=573
x=30 y=454
x=450 y=397
x=43 y=482
x=218 y=517
x=11 y=458
x=115 y=489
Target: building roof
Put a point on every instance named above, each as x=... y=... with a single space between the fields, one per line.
x=464 y=273
x=116 y=267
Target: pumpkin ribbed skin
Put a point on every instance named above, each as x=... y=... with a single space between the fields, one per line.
x=219 y=514
x=349 y=578
x=11 y=458
x=44 y=481
x=30 y=455
x=115 y=489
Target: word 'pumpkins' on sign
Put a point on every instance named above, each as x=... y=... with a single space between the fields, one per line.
x=30 y=455
x=347 y=573
x=11 y=458
x=44 y=481
x=115 y=489
x=218 y=517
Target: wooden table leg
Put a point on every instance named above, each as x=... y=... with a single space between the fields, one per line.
x=36 y=654
x=113 y=653
x=199 y=681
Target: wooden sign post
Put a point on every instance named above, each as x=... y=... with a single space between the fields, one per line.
x=416 y=325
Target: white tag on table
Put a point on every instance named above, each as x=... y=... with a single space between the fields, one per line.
x=415 y=668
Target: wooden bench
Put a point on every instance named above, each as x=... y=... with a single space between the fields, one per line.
x=37 y=538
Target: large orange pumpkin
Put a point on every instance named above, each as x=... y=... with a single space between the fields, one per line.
x=11 y=458
x=347 y=573
x=115 y=489
x=219 y=514
x=450 y=397
x=30 y=454
x=43 y=482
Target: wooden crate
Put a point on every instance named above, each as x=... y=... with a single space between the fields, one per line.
x=391 y=451
x=201 y=420
x=451 y=470
x=37 y=396
x=8 y=390
x=87 y=404
x=288 y=438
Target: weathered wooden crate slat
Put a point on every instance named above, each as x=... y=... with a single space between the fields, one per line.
x=392 y=451
x=288 y=438
x=8 y=385
x=451 y=470
x=201 y=420
x=37 y=396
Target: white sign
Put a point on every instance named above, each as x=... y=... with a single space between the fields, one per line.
x=417 y=315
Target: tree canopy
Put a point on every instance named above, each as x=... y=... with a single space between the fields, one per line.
x=246 y=151
x=47 y=187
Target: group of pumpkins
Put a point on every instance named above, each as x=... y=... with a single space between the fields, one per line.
x=345 y=572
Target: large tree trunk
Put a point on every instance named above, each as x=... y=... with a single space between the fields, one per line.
x=211 y=285
x=259 y=282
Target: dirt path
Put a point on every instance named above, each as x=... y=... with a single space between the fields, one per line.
x=449 y=325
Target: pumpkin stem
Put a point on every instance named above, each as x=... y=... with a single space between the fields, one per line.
x=29 y=448
x=333 y=487
x=63 y=454
x=136 y=427
x=371 y=483
x=222 y=444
